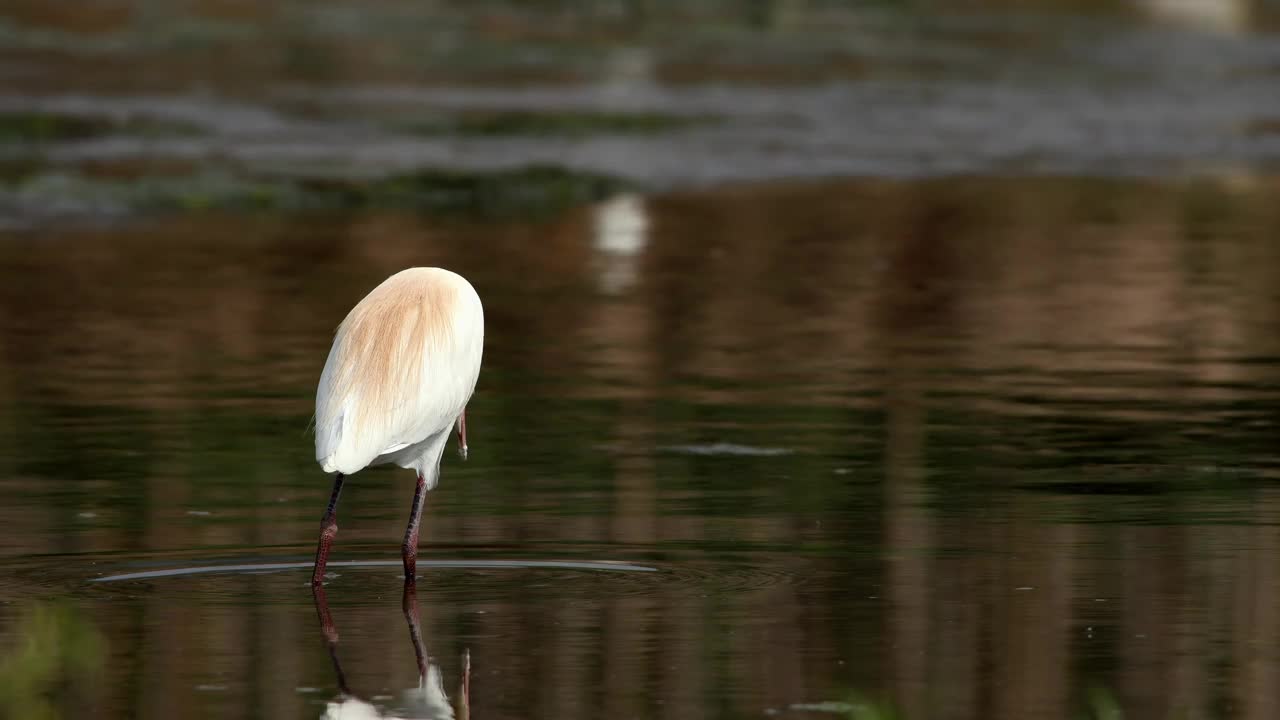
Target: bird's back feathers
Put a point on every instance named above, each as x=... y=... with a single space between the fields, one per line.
x=403 y=364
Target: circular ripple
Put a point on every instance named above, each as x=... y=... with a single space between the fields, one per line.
x=528 y=572
x=261 y=568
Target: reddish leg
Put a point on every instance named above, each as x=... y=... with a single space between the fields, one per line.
x=409 y=551
x=328 y=529
x=462 y=434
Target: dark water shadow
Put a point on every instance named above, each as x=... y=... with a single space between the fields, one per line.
x=427 y=701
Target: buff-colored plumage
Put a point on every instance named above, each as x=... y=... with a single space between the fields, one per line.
x=404 y=363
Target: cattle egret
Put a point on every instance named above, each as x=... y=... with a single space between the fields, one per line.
x=403 y=365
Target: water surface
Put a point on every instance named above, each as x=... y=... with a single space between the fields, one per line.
x=968 y=448
x=879 y=362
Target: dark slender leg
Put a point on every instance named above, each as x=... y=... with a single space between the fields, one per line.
x=328 y=529
x=409 y=551
x=330 y=634
x=409 y=603
x=462 y=434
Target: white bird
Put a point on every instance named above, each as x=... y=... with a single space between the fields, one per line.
x=403 y=365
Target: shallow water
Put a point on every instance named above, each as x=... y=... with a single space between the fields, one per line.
x=854 y=436
x=1005 y=449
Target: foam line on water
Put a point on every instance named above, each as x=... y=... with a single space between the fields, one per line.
x=611 y=566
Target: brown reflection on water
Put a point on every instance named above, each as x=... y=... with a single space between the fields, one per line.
x=903 y=340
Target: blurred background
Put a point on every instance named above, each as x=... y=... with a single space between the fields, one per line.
x=929 y=351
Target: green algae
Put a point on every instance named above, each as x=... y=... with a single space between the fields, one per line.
x=560 y=123
x=36 y=127
x=533 y=190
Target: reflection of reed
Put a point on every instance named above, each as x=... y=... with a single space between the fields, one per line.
x=909 y=533
x=1257 y=583
x=832 y=303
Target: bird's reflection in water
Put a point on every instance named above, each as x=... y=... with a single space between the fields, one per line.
x=427 y=701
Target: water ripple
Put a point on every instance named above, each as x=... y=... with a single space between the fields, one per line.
x=270 y=567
